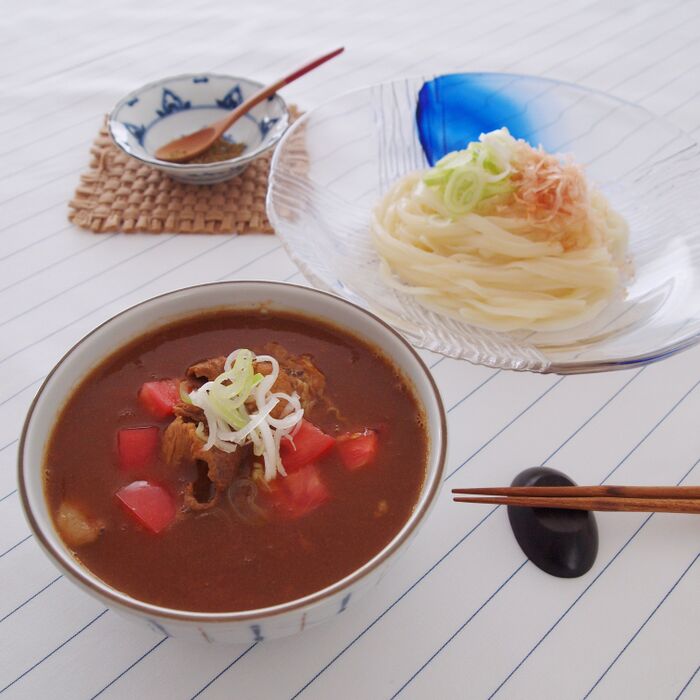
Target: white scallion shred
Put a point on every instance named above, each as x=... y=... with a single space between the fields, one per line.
x=231 y=420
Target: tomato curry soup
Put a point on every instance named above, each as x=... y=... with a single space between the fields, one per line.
x=235 y=460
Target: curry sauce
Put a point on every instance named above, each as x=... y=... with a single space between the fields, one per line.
x=208 y=556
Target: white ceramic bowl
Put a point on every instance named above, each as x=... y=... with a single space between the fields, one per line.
x=250 y=625
x=161 y=111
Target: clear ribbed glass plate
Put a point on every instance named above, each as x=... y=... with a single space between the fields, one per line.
x=335 y=162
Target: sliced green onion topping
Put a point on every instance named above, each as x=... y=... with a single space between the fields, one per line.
x=482 y=170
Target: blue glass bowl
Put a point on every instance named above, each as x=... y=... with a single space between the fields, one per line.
x=335 y=162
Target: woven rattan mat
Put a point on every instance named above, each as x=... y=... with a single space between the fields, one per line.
x=119 y=193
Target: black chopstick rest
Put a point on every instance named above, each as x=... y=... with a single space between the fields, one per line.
x=561 y=542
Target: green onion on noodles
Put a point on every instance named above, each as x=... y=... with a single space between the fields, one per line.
x=226 y=401
x=480 y=171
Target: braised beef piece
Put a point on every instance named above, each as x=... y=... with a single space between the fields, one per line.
x=189 y=412
x=216 y=469
x=207 y=369
x=297 y=373
x=223 y=467
x=180 y=443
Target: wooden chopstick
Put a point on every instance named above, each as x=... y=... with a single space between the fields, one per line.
x=640 y=505
x=569 y=491
x=658 y=499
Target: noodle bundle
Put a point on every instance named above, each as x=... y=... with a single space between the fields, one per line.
x=502 y=236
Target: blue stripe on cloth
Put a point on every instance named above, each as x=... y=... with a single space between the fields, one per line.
x=51 y=653
x=642 y=626
x=585 y=590
x=31 y=598
x=619 y=464
x=221 y=673
x=128 y=668
x=687 y=685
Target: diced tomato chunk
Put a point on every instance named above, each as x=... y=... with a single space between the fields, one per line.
x=137 y=447
x=299 y=493
x=159 y=398
x=357 y=450
x=309 y=444
x=150 y=504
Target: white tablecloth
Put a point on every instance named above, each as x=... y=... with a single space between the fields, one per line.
x=463 y=614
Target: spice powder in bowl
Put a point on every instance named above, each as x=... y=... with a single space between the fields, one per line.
x=220 y=150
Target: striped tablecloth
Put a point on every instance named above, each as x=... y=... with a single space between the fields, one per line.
x=463 y=614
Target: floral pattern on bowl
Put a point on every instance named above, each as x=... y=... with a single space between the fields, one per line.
x=163 y=110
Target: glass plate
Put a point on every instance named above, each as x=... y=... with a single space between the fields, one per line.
x=335 y=162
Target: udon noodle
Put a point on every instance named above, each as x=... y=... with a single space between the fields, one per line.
x=503 y=236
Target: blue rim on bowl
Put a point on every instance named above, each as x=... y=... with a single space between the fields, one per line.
x=164 y=109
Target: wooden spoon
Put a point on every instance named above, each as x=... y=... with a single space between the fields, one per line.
x=186 y=147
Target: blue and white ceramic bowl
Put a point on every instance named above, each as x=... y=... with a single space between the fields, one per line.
x=161 y=111
x=247 y=626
